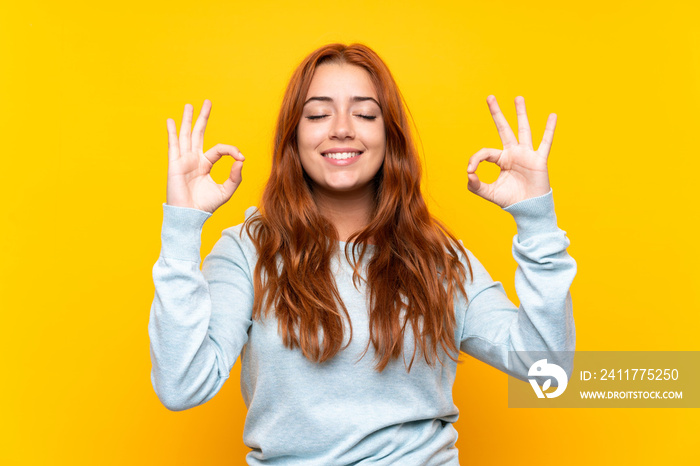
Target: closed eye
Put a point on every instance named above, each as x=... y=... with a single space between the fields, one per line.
x=318 y=117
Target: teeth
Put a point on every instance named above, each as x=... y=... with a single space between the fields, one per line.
x=341 y=155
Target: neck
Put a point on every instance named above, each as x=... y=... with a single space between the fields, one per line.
x=349 y=211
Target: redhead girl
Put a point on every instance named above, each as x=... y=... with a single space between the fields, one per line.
x=345 y=301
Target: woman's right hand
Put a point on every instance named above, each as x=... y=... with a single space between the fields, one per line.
x=189 y=181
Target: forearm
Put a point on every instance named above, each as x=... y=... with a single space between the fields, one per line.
x=187 y=368
x=544 y=321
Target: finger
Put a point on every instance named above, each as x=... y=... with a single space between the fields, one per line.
x=548 y=137
x=234 y=179
x=186 y=128
x=491 y=155
x=219 y=150
x=478 y=187
x=524 y=136
x=201 y=125
x=504 y=131
x=173 y=149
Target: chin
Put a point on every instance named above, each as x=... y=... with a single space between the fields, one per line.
x=342 y=188
x=342 y=185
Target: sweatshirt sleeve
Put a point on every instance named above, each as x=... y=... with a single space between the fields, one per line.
x=544 y=322
x=199 y=319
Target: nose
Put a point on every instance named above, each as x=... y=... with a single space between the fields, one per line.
x=342 y=127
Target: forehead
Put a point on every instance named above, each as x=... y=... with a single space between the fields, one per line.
x=341 y=81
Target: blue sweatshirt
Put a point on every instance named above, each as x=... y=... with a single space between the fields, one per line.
x=343 y=411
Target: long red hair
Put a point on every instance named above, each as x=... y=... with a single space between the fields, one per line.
x=415 y=266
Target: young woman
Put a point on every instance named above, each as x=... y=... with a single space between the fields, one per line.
x=347 y=302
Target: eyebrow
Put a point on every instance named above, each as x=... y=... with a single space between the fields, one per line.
x=354 y=99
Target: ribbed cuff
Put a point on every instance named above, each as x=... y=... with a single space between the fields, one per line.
x=534 y=216
x=181 y=235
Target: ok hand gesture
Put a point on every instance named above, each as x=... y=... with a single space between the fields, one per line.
x=523 y=169
x=189 y=181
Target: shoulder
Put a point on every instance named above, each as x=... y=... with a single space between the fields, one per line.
x=240 y=233
x=236 y=243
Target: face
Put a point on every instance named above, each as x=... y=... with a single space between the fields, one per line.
x=341 y=134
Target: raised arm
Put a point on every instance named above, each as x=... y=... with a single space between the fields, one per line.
x=199 y=319
x=544 y=321
x=492 y=325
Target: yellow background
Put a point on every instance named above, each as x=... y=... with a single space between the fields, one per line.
x=86 y=89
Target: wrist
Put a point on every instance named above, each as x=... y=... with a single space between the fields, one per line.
x=534 y=215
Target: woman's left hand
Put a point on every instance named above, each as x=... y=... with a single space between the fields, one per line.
x=523 y=169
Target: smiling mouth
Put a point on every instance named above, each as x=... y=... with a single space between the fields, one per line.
x=341 y=155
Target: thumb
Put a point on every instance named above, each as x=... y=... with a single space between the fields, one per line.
x=475 y=185
x=234 y=179
x=480 y=188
